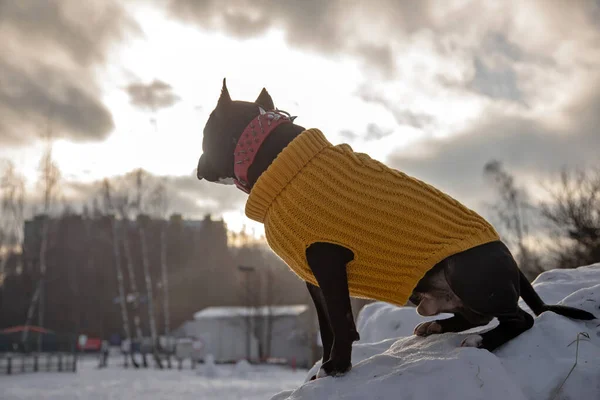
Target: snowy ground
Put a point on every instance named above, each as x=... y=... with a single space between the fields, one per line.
x=221 y=382
x=391 y=363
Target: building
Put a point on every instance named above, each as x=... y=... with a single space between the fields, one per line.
x=257 y=333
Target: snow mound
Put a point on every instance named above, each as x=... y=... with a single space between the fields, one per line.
x=391 y=363
x=242 y=368
x=210 y=369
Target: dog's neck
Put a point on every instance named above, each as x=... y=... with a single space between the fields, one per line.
x=272 y=146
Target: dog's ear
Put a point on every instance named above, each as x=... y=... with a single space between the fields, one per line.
x=264 y=100
x=225 y=99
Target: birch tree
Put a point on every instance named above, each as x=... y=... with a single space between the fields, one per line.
x=141 y=185
x=109 y=209
x=150 y=294
x=49 y=178
x=123 y=204
x=12 y=203
x=160 y=203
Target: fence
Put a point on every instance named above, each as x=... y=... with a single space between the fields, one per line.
x=17 y=363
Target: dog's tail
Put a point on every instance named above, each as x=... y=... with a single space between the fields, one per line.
x=536 y=304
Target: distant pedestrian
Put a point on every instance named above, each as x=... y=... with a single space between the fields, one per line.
x=104 y=349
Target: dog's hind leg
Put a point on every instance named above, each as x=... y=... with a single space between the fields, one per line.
x=327 y=262
x=486 y=279
x=510 y=327
x=456 y=323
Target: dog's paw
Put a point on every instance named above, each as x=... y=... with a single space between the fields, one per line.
x=427 y=328
x=331 y=369
x=472 y=341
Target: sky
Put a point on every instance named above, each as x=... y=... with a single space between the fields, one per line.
x=434 y=89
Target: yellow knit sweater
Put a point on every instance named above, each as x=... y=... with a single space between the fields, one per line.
x=397 y=226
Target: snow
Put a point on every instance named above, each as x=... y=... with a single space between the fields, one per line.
x=210 y=369
x=389 y=362
x=242 y=368
x=230 y=312
x=213 y=382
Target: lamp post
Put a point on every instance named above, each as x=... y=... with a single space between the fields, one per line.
x=247 y=269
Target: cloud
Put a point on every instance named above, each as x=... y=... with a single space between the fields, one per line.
x=49 y=53
x=498 y=83
x=185 y=194
x=375 y=31
x=34 y=100
x=375 y=132
x=402 y=115
x=152 y=96
x=530 y=149
x=196 y=198
x=348 y=134
x=82 y=30
x=331 y=27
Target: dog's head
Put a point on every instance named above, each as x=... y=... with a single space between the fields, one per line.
x=222 y=131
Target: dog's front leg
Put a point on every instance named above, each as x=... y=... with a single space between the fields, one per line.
x=324 y=324
x=328 y=264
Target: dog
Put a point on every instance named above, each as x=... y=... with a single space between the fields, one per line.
x=252 y=145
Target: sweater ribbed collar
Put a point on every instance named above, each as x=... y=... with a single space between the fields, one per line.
x=282 y=171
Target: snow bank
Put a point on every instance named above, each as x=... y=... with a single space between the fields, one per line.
x=242 y=368
x=391 y=363
x=209 y=369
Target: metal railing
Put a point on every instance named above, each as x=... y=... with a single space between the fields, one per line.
x=20 y=363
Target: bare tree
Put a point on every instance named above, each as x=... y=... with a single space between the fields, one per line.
x=142 y=188
x=109 y=208
x=124 y=204
x=259 y=292
x=160 y=203
x=150 y=293
x=12 y=203
x=574 y=210
x=49 y=179
x=512 y=210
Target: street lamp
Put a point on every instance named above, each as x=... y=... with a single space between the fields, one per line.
x=247 y=269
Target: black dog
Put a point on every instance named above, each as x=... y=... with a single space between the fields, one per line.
x=475 y=285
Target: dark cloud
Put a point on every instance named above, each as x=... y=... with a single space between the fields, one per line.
x=47 y=59
x=152 y=96
x=499 y=43
x=499 y=83
x=32 y=101
x=381 y=56
x=333 y=27
x=83 y=30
